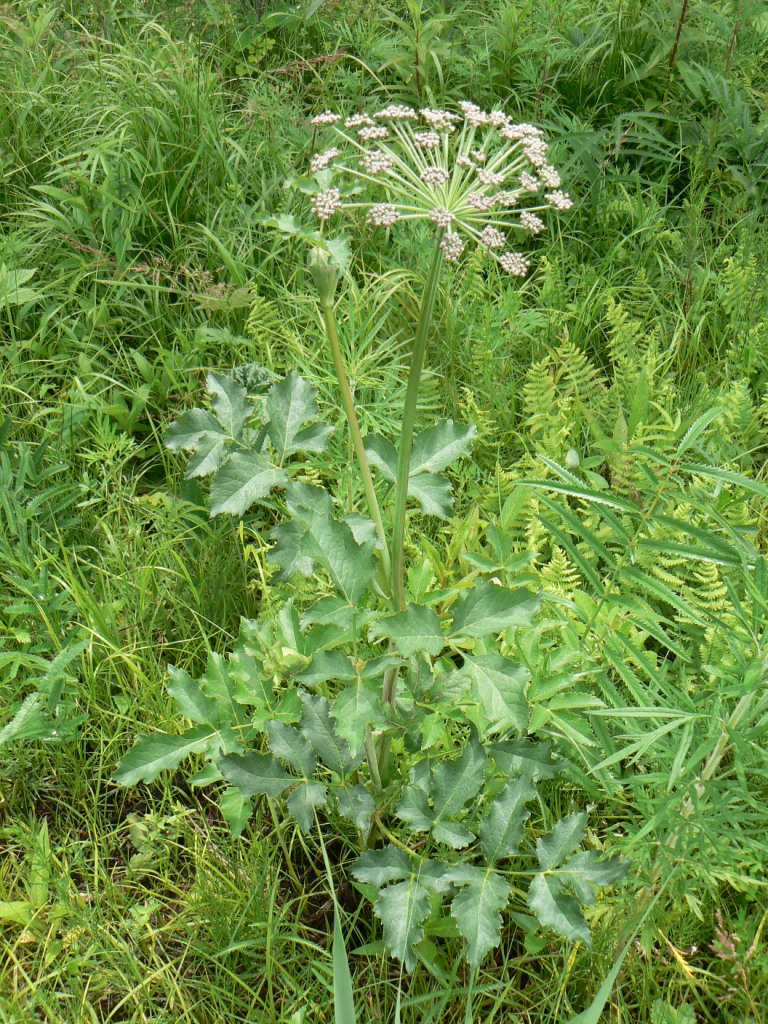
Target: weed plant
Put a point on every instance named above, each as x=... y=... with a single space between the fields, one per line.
x=620 y=398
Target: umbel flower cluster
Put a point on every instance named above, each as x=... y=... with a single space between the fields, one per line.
x=477 y=176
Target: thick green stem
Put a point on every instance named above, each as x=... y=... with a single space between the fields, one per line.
x=409 y=421
x=348 y=402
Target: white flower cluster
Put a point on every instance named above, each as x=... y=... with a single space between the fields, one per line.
x=382 y=215
x=325 y=204
x=434 y=176
x=322 y=160
x=490 y=173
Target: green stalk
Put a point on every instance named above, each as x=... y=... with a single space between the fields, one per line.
x=348 y=402
x=406 y=431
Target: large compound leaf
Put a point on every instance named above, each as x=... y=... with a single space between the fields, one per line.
x=357 y=804
x=488 y=608
x=586 y=871
x=476 y=908
x=190 y=699
x=439 y=446
x=254 y=774
x=402 y=908
x=380 y=867
x=499 y=686
x=502 y=827
x=292 y=748
x=289 y=406
x=357 y=708
x=187 y=432
x=245 y=478
x=415 y=629
x=154 y=754
x=433 y=492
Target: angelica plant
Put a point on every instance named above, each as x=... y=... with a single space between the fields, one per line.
x=378 y=701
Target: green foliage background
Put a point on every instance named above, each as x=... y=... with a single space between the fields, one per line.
x=620 y=397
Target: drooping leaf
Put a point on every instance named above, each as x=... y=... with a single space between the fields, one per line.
x=402 y=908
x=245 y=478
x=380 y=867
x=291 y=747
x=382 y=454
x=229 y=403
x=255 y=774
x=317 y=728
x=306 y=798
x=502 y=827
x=487 y=608
x=476 y=908
x=555 y=909
x=154 y=754
x=416 y=629
x=290 y=405
x=439 y=446
x=567 y=834
x=498 y=684
x=357 y=804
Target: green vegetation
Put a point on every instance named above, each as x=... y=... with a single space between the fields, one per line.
x=155 y=225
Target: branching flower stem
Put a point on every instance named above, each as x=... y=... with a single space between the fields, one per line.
x=406 y=431
x=348 y=402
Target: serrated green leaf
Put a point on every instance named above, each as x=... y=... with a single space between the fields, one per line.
x=210 y=453
x=304 y=801
x=355 y=709
x=402 y=909
x=502 y=827
x=476 y=908
x=437 y=447
x=327 y=665
x=357 y=804
x=567 y=834
x=433 y=492
x=288 y=551
x=236 y=809
x=318 y=729
x=291 y=747
x=255 y=774
x=329 y=611
x=228 y=403
x=487 y=608
x=382 y=454
x=290 y=405
x=187 y=432
x=586 y=872
x=161 y=752
x=380 y=867
x=416 y=629
x=554 y=909
x=250 y=686
x=524 y=757
x=453 y=784
x=330 y=542
x=190 y=699
x=499 y=686
x=245 y=478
